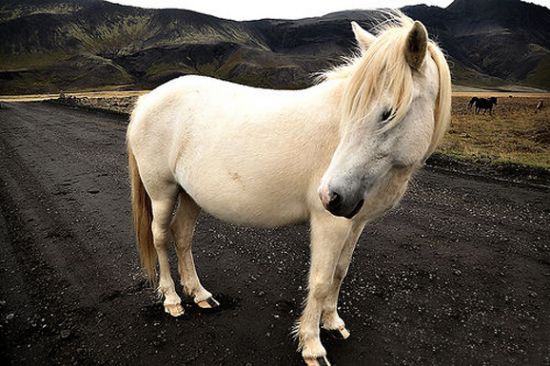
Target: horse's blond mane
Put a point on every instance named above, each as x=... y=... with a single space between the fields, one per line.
x=442 y=112
x=383 y=67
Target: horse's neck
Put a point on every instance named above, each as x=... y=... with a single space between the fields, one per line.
x=333 y=102
x=321 y=114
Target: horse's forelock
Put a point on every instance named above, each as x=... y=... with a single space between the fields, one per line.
x=382 y=67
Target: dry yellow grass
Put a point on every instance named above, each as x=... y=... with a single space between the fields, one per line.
x=514 y=133
x=87 y=94
x=501 y=94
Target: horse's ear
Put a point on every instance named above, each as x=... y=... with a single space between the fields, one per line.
x=364 y=38
x=416 y=45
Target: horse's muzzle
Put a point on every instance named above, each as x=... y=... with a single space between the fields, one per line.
x=338 y=205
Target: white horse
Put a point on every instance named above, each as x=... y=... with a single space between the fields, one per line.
x=337 y=154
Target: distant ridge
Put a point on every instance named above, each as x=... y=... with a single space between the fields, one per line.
x=53 y=45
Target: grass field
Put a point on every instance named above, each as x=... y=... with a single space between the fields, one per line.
x=513 y=134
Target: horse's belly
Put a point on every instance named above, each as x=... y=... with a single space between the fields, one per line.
x=252 y=213
x=260 y=217
x=232 y=202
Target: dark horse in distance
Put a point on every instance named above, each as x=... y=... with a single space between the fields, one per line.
x=482 y=103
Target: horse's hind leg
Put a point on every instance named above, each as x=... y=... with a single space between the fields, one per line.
x=163 y=204
x=183 y=225
x=330 y=319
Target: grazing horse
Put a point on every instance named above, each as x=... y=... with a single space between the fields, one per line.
x=338 y=154
x=485 y=104
x=472 y=102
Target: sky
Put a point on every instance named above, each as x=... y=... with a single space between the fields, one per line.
x=281 y=9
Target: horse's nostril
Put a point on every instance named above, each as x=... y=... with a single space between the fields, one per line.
x=335 y=199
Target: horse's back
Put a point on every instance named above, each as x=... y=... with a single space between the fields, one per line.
x=184 y=96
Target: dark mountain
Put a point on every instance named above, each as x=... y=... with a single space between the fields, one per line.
x=53 y=45
x=506 y=39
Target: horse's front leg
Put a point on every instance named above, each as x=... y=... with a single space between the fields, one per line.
x=330 y=319
x=328 y=237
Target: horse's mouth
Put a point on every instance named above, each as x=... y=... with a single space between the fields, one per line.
x=355 y=210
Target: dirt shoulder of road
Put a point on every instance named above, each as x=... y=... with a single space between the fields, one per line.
x=487 y=169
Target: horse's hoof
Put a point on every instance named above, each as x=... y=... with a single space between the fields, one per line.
x=319 y=361
x=209 y=303
x=344 y=332
x=174 y=309
x=340 y=333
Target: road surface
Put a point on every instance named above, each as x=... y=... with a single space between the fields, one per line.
x=458 y=274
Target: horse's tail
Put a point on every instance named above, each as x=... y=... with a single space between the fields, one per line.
x=143 y=217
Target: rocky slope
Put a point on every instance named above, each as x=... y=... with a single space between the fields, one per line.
x=55 y=45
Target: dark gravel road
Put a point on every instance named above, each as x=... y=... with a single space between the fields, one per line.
x=458 y=274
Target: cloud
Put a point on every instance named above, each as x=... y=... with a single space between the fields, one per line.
x=282 y=9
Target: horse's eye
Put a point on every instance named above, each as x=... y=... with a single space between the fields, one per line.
x=387 y=114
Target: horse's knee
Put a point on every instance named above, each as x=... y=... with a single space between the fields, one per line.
x=319 y=289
